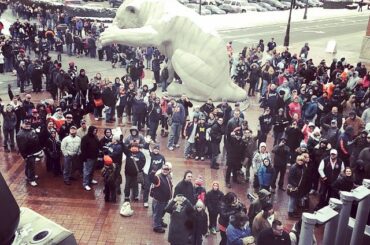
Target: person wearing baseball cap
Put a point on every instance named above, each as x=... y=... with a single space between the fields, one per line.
x=70 y=148
x=329 y=170
x=28 y=144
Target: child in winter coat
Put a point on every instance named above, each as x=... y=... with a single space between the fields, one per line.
x=9 y=123
x=200 y=139
x=200 y=223
x=265 y=174
x=213 y=202
x=109 y=175
x=200 y=191
x=53 y=153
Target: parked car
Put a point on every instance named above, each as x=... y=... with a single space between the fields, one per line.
x=228 y=8
x=267 y=6
x=195 y=7
x=115 y=3
x=72 y=2
x=183 y=1
x=258 y=7
x=214 y=9
x=245 y=6
x=275 y=4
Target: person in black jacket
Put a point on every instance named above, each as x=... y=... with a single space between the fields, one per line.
x=135 y=161
x=280 y=122
x=90 y=146
x=154 y=116
x=29 y=147
x=185 y=187
x=109 y=100
x=281 y=159
x=181 y=228
x=64 y=129
x=217 y=130
x=200 y=223
x=161 y=193
x=295 y=184
x=139 y=109
x=213 y=202
x=344 y=182
x=274 y=235
x=235 y=155
x=53 y=153
x=82 y=84
x=230 y=205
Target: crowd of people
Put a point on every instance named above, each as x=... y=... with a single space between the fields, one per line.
x=317 y=118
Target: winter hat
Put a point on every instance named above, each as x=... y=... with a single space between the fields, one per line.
x=199 y=181
x=303 y=145
x=199 y=204
x=311 y=124
x=263 y=193
x=116 y=137
x=108 y=160
x=334 y=152
x=156 y=146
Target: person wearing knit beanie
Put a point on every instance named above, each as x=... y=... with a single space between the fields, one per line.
x=199 y=181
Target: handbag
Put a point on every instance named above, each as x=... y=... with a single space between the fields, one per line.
x=140 y=175
x=293 y=191
x=98 y=102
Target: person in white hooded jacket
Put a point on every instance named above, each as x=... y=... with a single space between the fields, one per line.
x=257 y=161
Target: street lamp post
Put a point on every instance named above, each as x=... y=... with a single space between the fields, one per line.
x=200 y=7
x=305 y=10
x=287 y=33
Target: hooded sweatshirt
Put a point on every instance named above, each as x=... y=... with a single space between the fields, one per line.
x=90 y=145
x=259 y=156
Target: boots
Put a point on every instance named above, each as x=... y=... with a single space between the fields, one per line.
x=6 y=149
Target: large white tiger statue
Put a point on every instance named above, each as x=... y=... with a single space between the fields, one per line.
x=194 y=50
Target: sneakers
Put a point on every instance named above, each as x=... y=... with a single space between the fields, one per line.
x=213 y=231
x=196 y=158
x=33 y=183
x=312 y=191
x=146 y=205
x=88 y=188
x=164 y=225
x=96 y=119
x=202 y=158
x=177 y=146
x=170 y=148
x=159 y=230
x=94 y=182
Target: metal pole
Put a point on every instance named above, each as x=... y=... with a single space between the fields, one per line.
x=347 y=199
x=331 y=227
x=287 y=33
x=305 y=10
x=308 y=224
x=361 y=216
x=200 y=7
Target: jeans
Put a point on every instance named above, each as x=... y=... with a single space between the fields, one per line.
x=279 y=169
x=292 y=204
x=188 y=149
x=30 y=168
x=138 y=120
x=158 y=212
x=231 y=168
x=8 y=64
x=67 y=168
x=109 y=113
x=8 y=136
x=147 y=185
x=248 y=164
x=131 y=183
x=88 y=171
x=69 y=49
x=164 y=85
x=215 y=149
x=97 y=112
x=264 y=87
x=174 y=135
x=212 y=219
x=153 y=125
